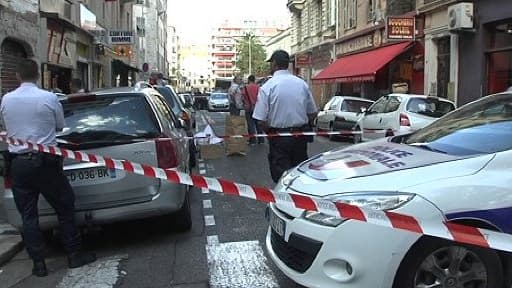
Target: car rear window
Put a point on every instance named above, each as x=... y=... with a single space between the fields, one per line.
x=218 y=96
x=431 y=107
x=109 y=118
x=354 y=105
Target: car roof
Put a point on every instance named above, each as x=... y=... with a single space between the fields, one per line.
x=408 y=96
x=354 y=98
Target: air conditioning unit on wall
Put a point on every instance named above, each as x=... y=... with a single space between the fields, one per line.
x=460 y=17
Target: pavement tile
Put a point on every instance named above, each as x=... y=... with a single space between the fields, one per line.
x=9 y=246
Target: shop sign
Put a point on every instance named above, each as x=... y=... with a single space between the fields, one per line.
x=400 y=28
x=118 y=37
x=303 y=60
x=356 y=44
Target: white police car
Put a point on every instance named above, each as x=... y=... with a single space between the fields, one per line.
x=458 y=168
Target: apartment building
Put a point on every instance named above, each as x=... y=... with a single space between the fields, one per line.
x=283 y=41
x=332 y=35
x=223 y=46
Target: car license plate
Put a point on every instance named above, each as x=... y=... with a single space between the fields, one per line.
x=277 y=224
x=91 y=176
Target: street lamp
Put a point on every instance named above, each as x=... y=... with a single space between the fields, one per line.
x=250 y=36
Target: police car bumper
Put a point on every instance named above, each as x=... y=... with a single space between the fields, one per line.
x=353 y=254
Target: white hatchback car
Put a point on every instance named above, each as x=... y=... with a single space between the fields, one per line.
x=341 y=113
x=396 y=114
x=457 y=169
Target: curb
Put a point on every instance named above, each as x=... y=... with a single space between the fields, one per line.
x=10 y=243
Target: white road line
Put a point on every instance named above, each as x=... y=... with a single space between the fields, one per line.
x=207 y=204
x=202 y=165
x=212 y=240
x=103 y=273
x=209 y=220
x=205 y=190
x=202 y=171
x=239 y=265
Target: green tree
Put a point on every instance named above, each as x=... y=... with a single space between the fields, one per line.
x=258 y=56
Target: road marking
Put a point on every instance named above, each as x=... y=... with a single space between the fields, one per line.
x=202 y=171
x=207 y=204
x=103 y=273
x=202 y=165
x=239 y=264
x=205 y=190
x=209 y=220
x=212 y=240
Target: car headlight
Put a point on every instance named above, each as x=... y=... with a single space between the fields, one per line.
x=382 y=201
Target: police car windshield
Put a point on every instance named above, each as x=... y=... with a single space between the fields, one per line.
x=481 y=127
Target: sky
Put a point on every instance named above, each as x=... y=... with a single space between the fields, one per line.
x=194 y=19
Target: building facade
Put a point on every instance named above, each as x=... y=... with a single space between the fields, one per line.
x=486 y=51
x=330 y=35
x=195 y=68
x=282 y=41
x=19 y=38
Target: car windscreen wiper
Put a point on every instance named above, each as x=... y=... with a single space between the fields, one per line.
x=427 y=147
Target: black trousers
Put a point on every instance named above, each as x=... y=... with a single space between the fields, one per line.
x=34 y=174
x=285 y=153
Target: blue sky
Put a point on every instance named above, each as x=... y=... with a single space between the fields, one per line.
x=195 y=18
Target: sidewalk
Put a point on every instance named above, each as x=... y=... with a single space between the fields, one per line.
x=10 y=239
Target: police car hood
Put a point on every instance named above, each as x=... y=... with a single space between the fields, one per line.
x=376 y=166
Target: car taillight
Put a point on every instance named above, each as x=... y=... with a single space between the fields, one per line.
x=404 y=120
x=166 y=154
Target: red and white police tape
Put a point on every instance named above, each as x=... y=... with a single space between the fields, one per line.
x=441 y=228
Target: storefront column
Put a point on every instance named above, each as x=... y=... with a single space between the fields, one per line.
x=453 y=87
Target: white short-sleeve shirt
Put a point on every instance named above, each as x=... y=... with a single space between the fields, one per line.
x=31 y=114
x=284 y=101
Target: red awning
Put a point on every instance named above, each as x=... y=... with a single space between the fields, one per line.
x=362 y=66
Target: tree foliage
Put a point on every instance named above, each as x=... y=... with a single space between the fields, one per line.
x=258 y=56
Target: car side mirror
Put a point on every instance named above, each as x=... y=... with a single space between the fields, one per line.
x=362 y=110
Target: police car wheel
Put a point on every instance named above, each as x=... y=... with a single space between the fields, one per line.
x=433 y=262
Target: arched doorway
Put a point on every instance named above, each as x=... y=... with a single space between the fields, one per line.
x=11 y=52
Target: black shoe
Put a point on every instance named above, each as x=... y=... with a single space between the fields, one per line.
x=39 y=269
x=79 y=259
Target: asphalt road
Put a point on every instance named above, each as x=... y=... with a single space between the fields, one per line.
x=225 y=247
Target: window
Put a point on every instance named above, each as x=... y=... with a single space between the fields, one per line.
x=349 y=14
x=499 y=63
x=354 y=105
x=393 y=104
x=332 y=7
x=431 y=107
x=379 y=106
x=372 y=10
x=319 y=16
x=334 y=104
x=484 y=126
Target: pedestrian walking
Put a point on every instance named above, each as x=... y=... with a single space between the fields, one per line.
x=250 y=97
x=34 y=115
x=76 y=86
x=235 y=97
x=285 y=104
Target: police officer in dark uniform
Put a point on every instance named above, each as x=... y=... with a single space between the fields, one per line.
x=35 y=115
x=285 y=104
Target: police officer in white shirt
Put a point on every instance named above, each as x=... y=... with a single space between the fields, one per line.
x=35 y=115
x=285 y=104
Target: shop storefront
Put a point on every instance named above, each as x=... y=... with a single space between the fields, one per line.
x=486 y=53
x=61 y=57
x=368 y=67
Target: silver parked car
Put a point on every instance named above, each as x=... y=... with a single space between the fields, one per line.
x=134 y=124
x=218 y=102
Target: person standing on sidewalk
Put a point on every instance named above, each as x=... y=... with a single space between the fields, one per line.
x=250 y=93
x=285 y=104
x=35 y=115
x=235 y=97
